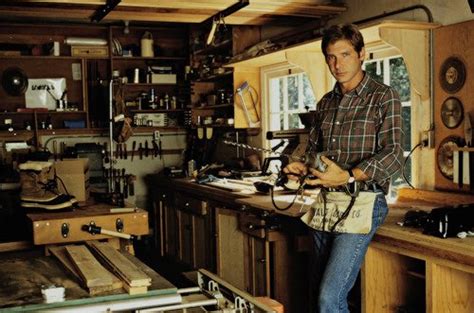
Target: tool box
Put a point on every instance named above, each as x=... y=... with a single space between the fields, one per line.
x=63 y=227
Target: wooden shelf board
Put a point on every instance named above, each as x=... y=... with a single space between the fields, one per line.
x=157 y=111
x=210 y=107
x=159 y=58
x=210 y=49
x=213 y=77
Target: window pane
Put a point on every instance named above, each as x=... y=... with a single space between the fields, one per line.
x=375 y=71
x=399 y=78
x=282 y=93
x=293 y=121
x=293 y=92
x=309 y=100
x=406 y=120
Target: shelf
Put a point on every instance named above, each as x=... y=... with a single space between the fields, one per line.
x=212 y=126
x=217 y=106
x=157 y=111
x=213 y=77
x=146 y=129
x=48 y=57
x=163 y=58
x=49 y=112
x=147 y=84
x=214 y=48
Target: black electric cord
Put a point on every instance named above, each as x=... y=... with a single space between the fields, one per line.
x=280 y=181
x=405 y=163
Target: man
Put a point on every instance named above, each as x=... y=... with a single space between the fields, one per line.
x=359 y=130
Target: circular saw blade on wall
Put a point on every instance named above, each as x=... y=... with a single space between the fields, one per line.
x=452 y=112
x=452 y=75
x=14 y=81
x=444 y=155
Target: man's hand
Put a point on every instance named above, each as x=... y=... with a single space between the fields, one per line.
x=333 y=176
x=295 y=168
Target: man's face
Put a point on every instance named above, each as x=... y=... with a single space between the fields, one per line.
x=345 y=63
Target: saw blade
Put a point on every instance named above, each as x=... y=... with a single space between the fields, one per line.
x=452 y=112
x=444 y=155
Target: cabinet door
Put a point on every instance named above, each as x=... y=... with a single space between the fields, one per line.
x=259 y=256
x=170 y=229
x=231 y=248
x=196 y=234
x=185 y=237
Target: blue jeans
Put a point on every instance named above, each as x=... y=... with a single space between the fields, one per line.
x=338 y=259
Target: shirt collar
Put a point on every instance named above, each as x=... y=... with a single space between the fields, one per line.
x=360 y=90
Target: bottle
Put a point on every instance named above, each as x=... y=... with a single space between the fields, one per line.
x=166 y=101
x=191 y=167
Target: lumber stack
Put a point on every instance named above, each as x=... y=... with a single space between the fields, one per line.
x=135 y=280
x=106 y=269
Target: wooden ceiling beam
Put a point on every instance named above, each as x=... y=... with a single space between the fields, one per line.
x=258 y=12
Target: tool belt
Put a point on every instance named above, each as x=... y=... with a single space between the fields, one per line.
x=338 y=211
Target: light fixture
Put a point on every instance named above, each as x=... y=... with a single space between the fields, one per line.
x=126 y=29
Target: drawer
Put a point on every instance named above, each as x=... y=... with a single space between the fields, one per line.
x=191 y=205
x=252 y=225
x=259 y=227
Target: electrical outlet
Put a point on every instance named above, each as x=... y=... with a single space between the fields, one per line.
x=427 y=139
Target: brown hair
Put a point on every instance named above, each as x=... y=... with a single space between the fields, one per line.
x=348 y=32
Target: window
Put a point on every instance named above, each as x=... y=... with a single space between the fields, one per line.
x=392 y=71
x=289 y=95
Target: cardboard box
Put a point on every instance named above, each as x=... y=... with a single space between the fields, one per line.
x=74 y=173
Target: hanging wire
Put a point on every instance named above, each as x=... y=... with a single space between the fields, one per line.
x=405 y=163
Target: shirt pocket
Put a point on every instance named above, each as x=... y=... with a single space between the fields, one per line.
x=360 y=135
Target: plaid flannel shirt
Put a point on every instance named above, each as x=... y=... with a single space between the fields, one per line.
x=362 y=129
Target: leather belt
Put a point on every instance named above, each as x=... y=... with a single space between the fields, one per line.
x=373 y=187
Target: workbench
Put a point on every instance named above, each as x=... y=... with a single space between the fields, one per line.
x=403 y=269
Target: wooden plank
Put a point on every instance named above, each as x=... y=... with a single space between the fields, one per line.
x=60 y=253
x=89 y=268
x=157 y=282
x=15 y=246
x=122 y=266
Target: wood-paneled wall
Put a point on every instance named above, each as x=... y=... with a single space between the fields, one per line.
x=453 y=40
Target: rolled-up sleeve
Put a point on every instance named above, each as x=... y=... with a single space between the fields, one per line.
x=388 y=159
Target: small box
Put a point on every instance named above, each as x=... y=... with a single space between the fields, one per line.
x=151 y=119
x=74 y=173
x=90 y=51
x=163 y=78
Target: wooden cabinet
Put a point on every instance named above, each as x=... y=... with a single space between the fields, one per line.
x=254 y=254
x=30 y=49
x=151 y=83
x=395 y=279
x=184 y=229
x=46 y=51
x=196 y=235
x=165 y=224
x=212 y=100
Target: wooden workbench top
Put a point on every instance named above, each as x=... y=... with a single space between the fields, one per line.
x=460 y=251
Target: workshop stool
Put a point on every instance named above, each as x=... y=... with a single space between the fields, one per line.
x=277 y=306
